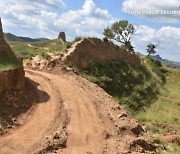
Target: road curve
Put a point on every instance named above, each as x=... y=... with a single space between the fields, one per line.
x=90 y=116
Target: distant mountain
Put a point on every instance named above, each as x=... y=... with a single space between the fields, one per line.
x=166 y=62
x=14 y=38
x=157 y=57
x=11 y=37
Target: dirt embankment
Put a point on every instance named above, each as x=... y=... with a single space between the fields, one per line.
x=12 y=80
x=84 y=52
x=93 y=50
x=77 y=117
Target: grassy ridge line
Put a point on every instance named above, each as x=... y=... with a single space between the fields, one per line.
x=42 y=48
x=12 y=37
x=27 y=50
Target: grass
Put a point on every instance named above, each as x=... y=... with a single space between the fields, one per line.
x=172 y=148
x=135 y=88
x=78 y=38
x=165 y=110
x=28 y=50
x=151 y=94
x=8 y=61
x=42 y=48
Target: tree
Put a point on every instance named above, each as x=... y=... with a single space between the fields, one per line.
x=121 y=31
x=151 y=49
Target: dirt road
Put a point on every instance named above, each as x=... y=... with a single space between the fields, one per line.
x=78 y=118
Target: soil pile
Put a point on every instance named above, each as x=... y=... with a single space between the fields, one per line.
x=95 y=50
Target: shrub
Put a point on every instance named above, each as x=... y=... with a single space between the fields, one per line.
x=105 y=39
x=78 y=38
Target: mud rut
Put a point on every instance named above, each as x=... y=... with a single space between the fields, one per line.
x=79 y=118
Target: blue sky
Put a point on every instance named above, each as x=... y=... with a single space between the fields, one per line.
x=46 y=18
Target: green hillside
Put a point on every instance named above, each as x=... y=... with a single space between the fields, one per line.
x=150 y=93
x=133 y=87
x=42 y=48
x=163 y=116
x=11 y=37
x=14 y=38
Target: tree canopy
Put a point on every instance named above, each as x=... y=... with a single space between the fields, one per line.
x=151 y=49
x=121 y=31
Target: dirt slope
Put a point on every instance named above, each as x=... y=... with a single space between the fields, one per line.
x=91 y=50
x=78 y=118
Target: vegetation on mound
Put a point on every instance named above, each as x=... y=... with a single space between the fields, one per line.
x=168 y=103
x=133 y=87
x=162 y=117
x=122 y=32
x=42 y=48
x=8 y=61
x=150 y=93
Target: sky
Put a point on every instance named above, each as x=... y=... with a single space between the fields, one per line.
x=156 y=21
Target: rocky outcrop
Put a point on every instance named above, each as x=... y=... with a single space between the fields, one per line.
x=62 y=36
x=10 y=79
x=93 y=50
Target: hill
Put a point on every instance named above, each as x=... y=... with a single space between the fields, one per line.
x=42 y=48
x=161 y=118
x=167 y=62
x=149 y=91
x=14 y=38
x=133 y=87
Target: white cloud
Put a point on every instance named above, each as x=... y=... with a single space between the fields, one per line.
x=167 y=37
x=42 y=17
x=39 y=3
x=89 y=8
x=155 y=5
x=30 y=18
x=88 y=21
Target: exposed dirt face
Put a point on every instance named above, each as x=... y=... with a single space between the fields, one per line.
x=78 y=118
x=84 y=52
x=12 y=80
x=171 y=138
x=93 y=50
